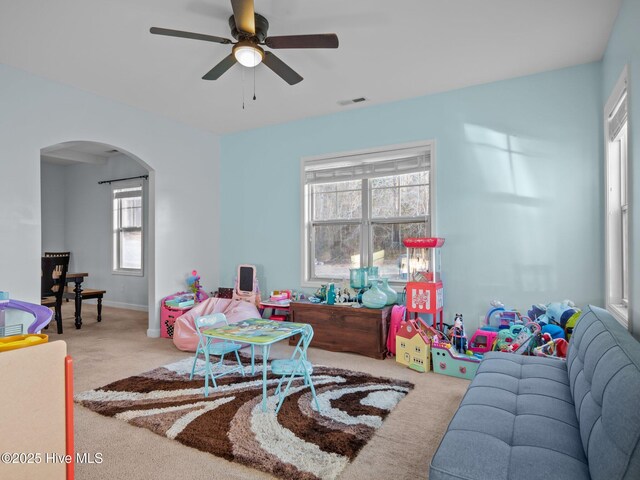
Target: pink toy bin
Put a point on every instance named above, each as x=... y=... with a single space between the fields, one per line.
x=168 y=315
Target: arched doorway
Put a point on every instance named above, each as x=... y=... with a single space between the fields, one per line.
x=82 y=182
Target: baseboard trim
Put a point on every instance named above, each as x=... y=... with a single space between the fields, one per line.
x=153 y=332
x=128 y=306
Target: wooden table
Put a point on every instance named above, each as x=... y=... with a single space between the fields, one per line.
x=77 y=279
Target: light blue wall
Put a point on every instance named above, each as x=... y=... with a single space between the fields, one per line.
x=518 y=177
x=624 y=49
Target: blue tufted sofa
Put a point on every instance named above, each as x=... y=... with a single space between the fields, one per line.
x=542 y=418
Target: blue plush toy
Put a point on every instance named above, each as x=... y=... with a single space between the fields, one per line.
x=556 y=312
x=555 y=331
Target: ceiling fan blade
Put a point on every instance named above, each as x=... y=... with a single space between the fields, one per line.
x=244 y=15
x=281 y=69
x=226 y=63
x=195 y=36
x=321 y=40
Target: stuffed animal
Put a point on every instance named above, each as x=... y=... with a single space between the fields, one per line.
x=537 y=311
x=554 y=330
x=556 y=312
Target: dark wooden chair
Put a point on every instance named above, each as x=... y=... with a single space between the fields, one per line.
x=53 y=281
x=57 y=254
x=87 y=293
x=60 y=254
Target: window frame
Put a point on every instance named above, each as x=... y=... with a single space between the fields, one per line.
x=616 y=186
x=366 y=246
x=116 y=269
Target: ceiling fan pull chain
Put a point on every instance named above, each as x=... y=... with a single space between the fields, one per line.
x=242 y=81
x=254 y=83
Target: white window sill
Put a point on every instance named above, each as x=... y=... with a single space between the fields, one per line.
x=130 y=273
x=620 y=313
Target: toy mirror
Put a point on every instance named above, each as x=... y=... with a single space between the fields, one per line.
x=246 y=278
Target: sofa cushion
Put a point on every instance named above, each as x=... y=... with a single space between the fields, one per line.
x=604 y=373
x=516 y=421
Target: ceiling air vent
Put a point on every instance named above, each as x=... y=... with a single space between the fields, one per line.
x=344 y=103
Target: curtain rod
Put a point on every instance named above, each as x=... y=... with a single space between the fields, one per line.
x=122 y=179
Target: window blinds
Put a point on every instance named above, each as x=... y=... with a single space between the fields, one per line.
x=127 y=192
x=357 y=167
x=618 y=117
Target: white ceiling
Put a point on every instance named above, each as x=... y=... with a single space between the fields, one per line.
x=389 y=50
x=71 y=153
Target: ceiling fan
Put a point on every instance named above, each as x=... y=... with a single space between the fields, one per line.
x=250 y=31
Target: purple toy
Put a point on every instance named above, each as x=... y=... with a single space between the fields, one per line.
x=42 y=315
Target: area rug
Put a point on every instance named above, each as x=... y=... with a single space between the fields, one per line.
x=298 y=443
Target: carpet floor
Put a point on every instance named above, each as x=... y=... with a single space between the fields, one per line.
x=298 y=443
x=118 y=347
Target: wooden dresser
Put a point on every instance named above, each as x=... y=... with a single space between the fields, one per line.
x=344 y=328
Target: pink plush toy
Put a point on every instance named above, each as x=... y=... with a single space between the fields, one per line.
x=184 y=331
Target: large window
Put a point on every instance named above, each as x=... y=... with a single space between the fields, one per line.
x=617 y=203
x=127 y=228
x=358 y=208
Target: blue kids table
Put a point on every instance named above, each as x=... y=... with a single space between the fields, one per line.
x=256 y=332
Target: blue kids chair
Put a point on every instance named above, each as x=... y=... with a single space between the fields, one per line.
x=218 y=348
x=296 y=366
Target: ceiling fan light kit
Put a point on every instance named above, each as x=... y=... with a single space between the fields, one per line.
x=247 y=53
x=250 y=31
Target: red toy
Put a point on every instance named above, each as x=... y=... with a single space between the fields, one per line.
x=424 y=287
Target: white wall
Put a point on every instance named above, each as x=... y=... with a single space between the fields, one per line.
x=86 y=225
x=184 y=164
x=52 y=178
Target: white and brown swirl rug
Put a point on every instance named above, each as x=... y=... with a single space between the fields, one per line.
x=298 y=443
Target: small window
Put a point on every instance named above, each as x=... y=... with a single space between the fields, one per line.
x=403 y=345
x=128 y=235
x=418 y=349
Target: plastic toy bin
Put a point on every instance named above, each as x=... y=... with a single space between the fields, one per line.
x=168 y=316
